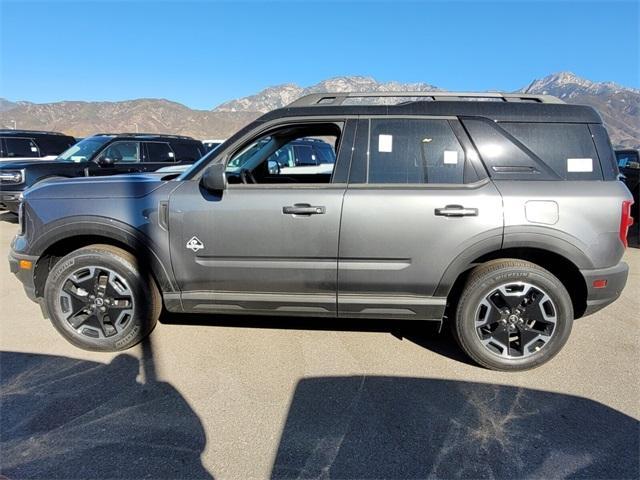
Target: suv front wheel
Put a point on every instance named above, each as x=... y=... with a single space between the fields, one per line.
x=98 y=299
x=513 y=315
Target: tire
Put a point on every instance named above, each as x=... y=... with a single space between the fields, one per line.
x=512 y=315
x=124 y=309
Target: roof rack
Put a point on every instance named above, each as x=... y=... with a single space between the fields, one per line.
x=335 y=99
x=39 y=132
x=141 y=135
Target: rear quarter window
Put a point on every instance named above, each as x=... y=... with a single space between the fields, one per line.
x=567 y=148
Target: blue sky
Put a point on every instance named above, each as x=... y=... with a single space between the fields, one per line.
x=202 y=53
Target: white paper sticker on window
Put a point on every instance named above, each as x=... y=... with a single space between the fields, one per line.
x=171 y=155
x=450 y=157
x=34 y=149
x=579 y=165
x=385 y=143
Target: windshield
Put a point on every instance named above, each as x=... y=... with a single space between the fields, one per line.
x=84 y=150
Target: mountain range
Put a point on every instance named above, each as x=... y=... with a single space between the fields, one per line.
x=619 y=107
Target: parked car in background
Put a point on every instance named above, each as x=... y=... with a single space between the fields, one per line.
x=30 y=144
x=433 y=210
x=212 y=144
x=98 y=155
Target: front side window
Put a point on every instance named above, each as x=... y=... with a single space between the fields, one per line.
x=123 y=152
x=21 y=147
x=414 y=151
x=290 y=155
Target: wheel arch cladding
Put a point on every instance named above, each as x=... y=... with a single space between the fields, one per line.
x=59 y=240
x=557 y=263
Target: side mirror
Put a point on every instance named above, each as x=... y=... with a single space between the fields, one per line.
x=214 y=178
x=106 y=161
x=274 y=167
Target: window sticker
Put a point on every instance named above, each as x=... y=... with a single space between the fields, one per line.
x=579 y=165
x=385 y=143
x=34 y=149
x=450 y=157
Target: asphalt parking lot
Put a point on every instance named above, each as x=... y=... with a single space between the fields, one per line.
x=238 y=398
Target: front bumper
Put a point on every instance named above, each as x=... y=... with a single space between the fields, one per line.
x=26 y=276
x=10 y=200
x=598 y=298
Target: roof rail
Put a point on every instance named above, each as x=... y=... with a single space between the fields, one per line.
x=335 y=99
x=40 y=132
x=141 y=135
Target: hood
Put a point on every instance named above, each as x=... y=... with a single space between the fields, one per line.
x=13 y=164
x=116 y=186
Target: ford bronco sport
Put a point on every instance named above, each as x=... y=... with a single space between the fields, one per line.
x=498 y=213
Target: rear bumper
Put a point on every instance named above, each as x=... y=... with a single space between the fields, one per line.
x=598 y=298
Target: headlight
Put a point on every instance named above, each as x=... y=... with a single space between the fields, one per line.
x=12 y=176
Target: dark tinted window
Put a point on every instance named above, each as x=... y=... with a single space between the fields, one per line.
x=187 y=152
x=567 y=148
x=21 y=147
x=325 y=153
x=159 y=152
x=54 y=144
x=303 y=155
x=414 y=151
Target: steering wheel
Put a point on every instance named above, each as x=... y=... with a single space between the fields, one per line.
x=246 y=176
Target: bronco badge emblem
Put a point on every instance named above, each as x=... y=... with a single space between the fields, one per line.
x=195 y=244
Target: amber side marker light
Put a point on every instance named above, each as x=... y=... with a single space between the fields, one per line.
x=599 y=283
x=26 y=264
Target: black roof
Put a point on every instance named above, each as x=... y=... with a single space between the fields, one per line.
x=18 y=133
x=146 y=136
x=502 y=108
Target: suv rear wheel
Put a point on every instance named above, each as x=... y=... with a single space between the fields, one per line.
x=513 y=315
x=99 y=300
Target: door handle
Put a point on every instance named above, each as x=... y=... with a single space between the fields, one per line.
x=303 y=209
x=456 y=211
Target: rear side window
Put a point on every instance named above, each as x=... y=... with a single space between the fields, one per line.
x=187 y=152
x=21 y=147
x=567 y=148
x=54 y=144
x=159 y=152
x=414 y=151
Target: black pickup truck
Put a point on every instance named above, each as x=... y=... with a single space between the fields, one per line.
x=99 y=155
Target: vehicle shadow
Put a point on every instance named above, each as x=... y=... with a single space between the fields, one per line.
x=68 y=418
x=393 y=427
x=425 y=334
x=8 y=217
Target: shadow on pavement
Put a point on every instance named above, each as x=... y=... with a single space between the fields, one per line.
x=424 y=334
x=67 y=418
x=392 y=427
x=8 y=217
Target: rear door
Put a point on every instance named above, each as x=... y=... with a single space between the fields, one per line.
x=417 y=199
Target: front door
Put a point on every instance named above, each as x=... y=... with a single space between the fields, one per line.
x=269 y=242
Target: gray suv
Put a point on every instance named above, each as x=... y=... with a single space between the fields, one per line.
x=500 y=214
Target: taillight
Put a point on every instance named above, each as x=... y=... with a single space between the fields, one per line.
x=626 y=220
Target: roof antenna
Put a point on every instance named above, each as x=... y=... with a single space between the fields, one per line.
x=529 y=87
